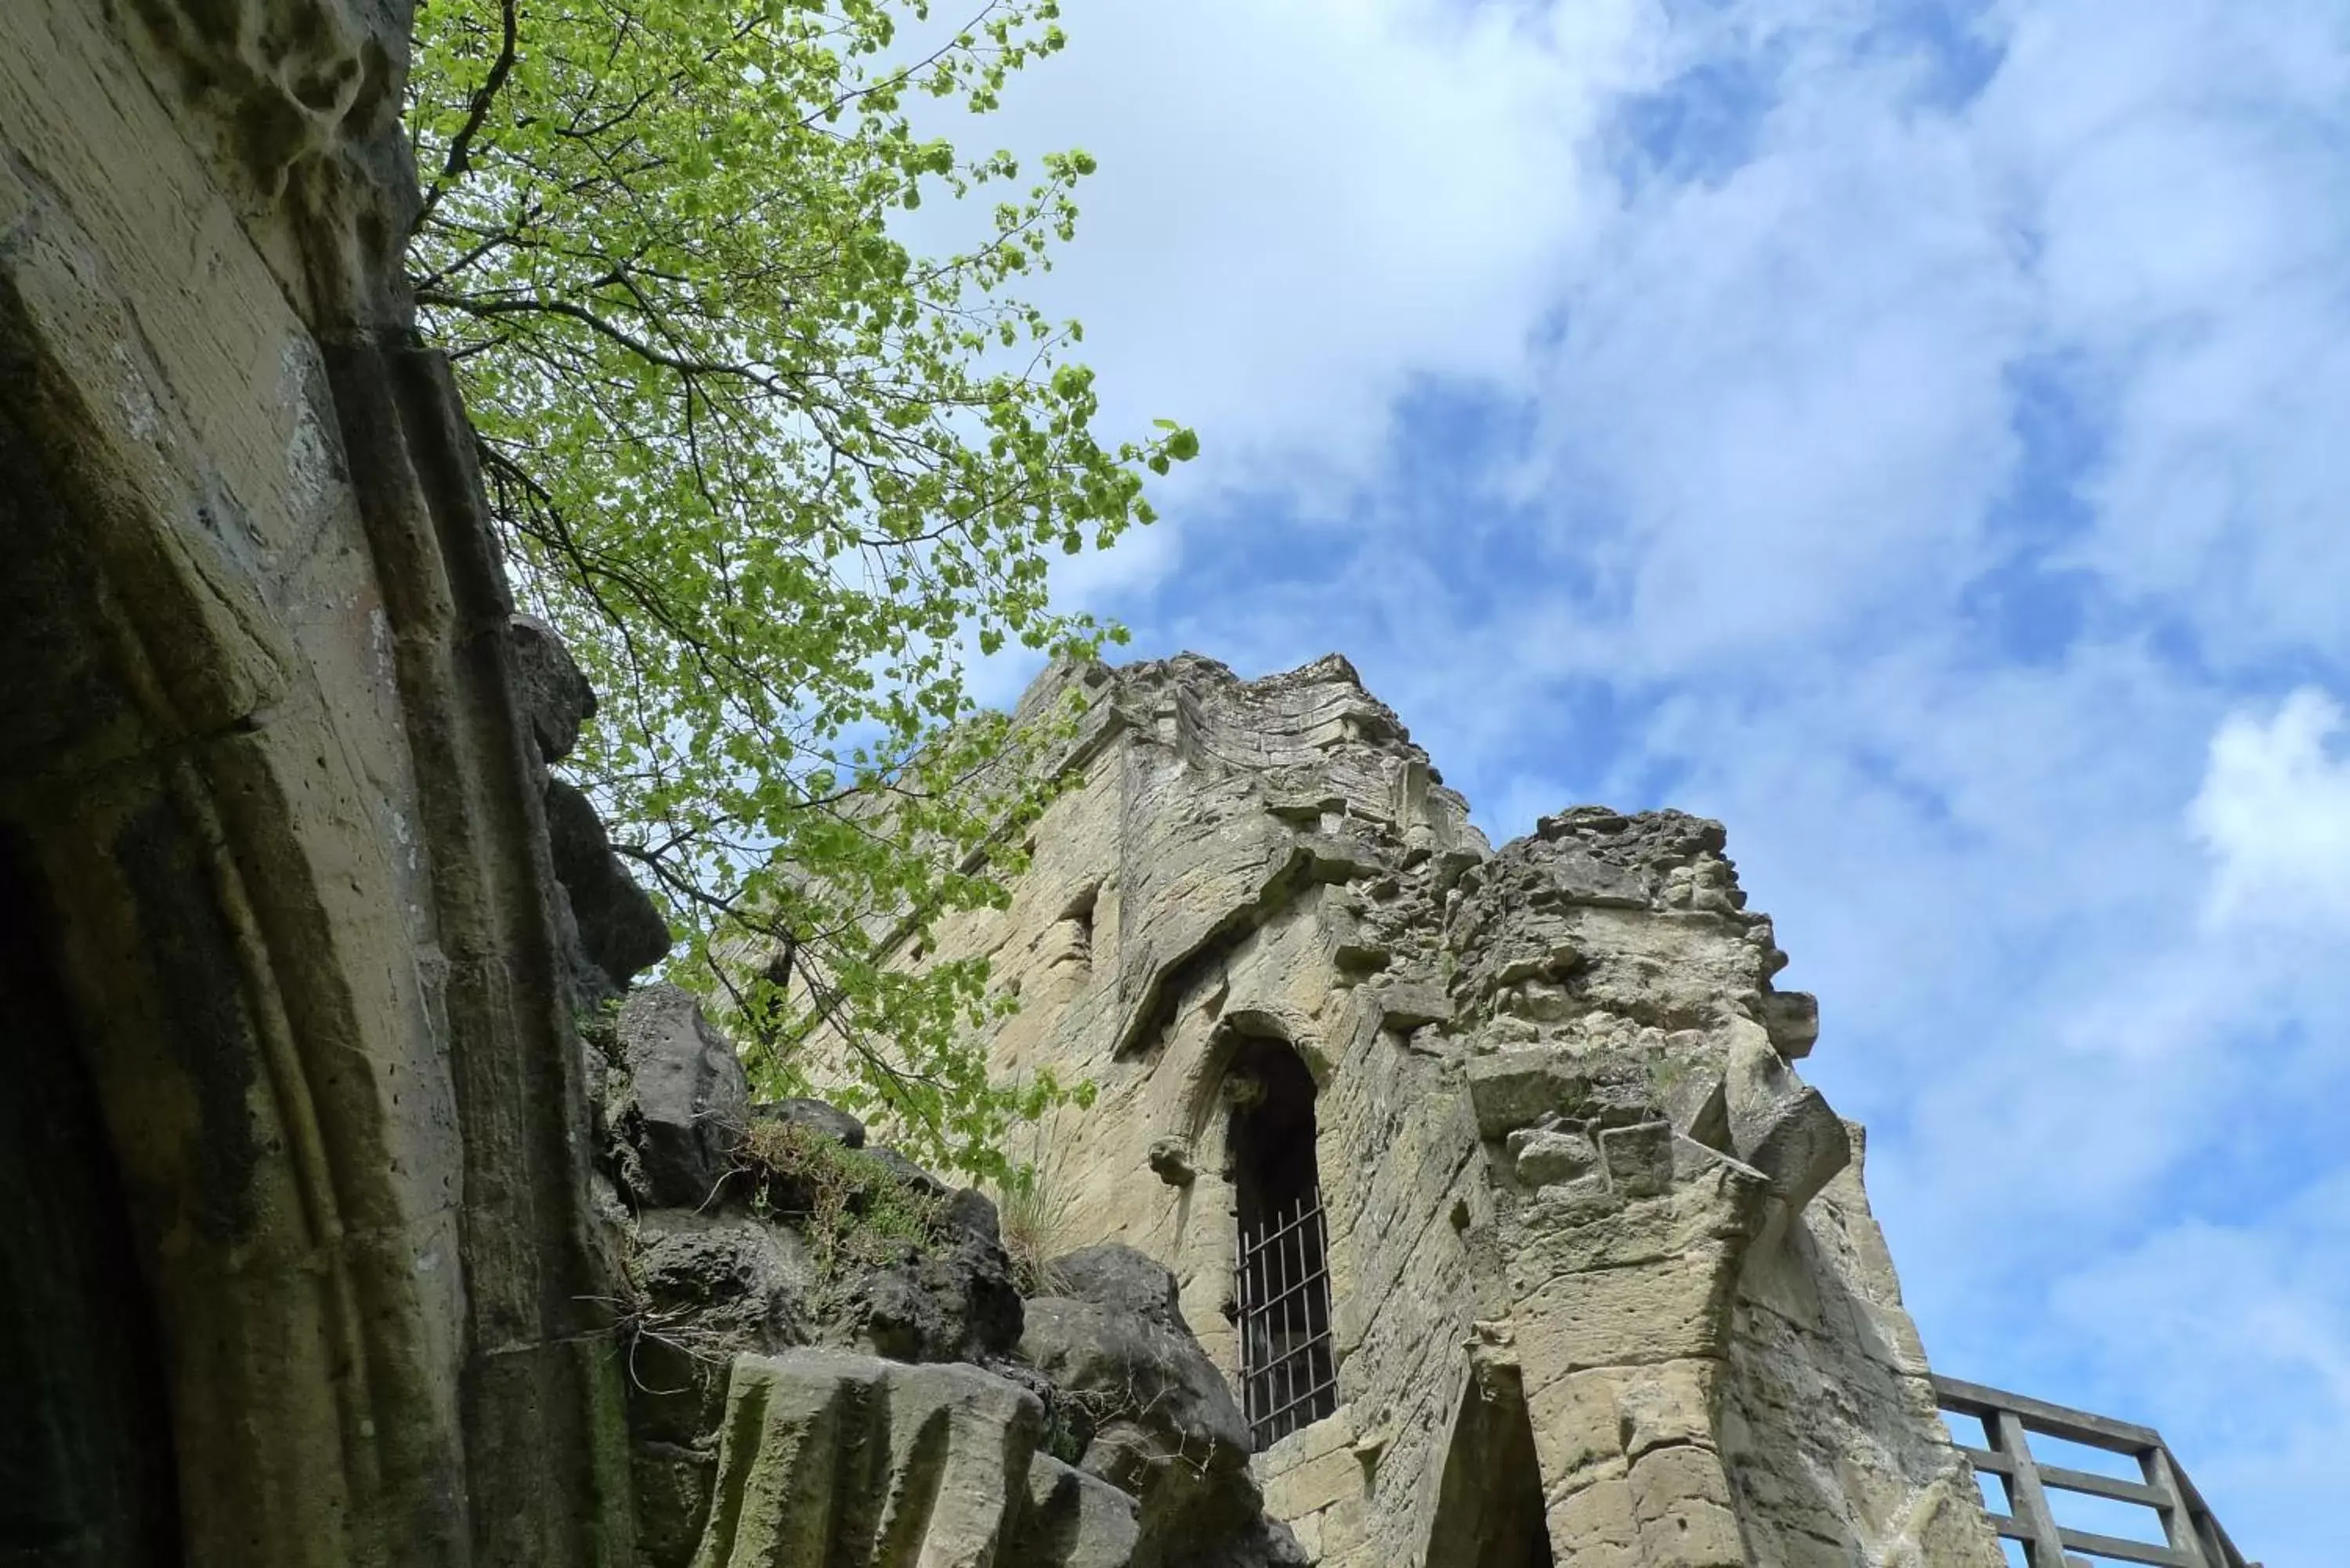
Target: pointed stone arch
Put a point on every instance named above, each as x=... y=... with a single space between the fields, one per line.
x=280 y=947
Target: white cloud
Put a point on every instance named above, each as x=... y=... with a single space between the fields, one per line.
x=1302 y=205
x=1788 y=386
x=2178 y=169
x=2274 y=812
x=1777 y=445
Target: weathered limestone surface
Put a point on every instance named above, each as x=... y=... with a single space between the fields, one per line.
x=285 y=933
x=846 y=1460
x=1602 y=1264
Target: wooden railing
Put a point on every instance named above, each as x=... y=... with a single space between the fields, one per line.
x=2192 y=1537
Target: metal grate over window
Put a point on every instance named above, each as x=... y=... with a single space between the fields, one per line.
x=1288 y=1379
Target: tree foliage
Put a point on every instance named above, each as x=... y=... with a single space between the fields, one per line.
x=773 y=475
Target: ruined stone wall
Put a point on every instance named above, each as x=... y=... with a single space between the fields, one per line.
x=275 y=850
x=1602 y=1264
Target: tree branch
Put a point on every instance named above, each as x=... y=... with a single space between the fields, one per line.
x=461 y=146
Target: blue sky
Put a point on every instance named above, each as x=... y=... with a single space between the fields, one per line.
x=1916 y=434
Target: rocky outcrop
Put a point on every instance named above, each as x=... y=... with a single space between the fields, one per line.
x=852 y=1461
x=1147 y=1410
x=1602 y=1286
x=830 y=1362
x=952 y=1300
x=551 y=692
x=615 y=924
x=679 y=1103
x=610 y=926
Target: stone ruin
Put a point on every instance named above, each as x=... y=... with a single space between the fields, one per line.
x=1441 y=1207
x=1593 y=1279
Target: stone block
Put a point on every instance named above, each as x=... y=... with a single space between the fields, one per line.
x=1597 y=1527
x=1670 y=1403
x=1406 y=1007
x=1681 y=1500
x=1332 y=1476
x=1779 y=1124
x=1073 y=1519
x=1696 y=1102
x=1574 y=1426
x=1345 y=1527
x=1792 y=1018
x=1638 y=1158
x=688 y=1101
x=1584 y=879
x=1677 y=1305
x=936 y=1451
x=1543 y=1157
x=1512 y=1089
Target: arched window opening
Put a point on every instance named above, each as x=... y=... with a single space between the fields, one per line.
x=1289 y=1378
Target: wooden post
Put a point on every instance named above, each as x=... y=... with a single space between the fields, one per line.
x=2178 y=1520
x=2026 y=1499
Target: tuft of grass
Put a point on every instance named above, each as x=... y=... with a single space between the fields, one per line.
x=853 y=1211
x=1666 y=1074
x=1024 y=1211
x=1030 y=1207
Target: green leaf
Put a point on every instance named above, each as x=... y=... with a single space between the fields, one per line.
x=749 y=454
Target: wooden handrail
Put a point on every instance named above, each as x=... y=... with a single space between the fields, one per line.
x=2192 y=1537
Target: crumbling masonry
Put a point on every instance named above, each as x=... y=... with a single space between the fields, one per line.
x=1602 y=1286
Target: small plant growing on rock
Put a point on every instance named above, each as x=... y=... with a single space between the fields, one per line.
x=1025 y=1210
x=1666 y=1074
x=854 y=1211
x=599 y=1026
x=1029 y=1205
